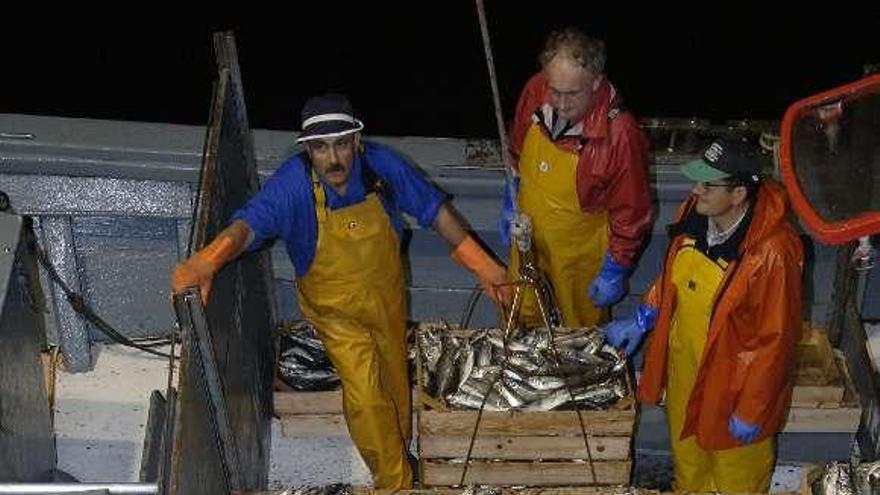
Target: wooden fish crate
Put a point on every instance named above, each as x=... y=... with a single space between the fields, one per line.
x=302 y=413
x=824 y=398
x=530 y=448
x=310 y=414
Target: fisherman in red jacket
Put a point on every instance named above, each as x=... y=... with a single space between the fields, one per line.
x=727 y=308
x=581 y=164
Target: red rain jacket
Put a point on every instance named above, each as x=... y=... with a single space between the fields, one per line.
x=612 y=173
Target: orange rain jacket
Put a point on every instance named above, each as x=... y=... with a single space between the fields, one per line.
x=612 y=171
x=755 y=326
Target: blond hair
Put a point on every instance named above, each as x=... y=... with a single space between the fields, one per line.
x=576 y=46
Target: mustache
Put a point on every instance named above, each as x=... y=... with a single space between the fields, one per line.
x=335 y=167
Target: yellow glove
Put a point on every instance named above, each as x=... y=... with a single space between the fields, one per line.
x=492 y=276
x=199 y=269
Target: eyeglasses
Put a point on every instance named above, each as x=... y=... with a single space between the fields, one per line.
x=705 y=186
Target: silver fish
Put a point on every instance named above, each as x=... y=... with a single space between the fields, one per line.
x=601 y=394
x=482 y=490
x=597 y=372
x=431 y=347
x=483 y=353
x=552 y=401
x=541 y=339
x=836 y=480
x=481 y=372
x=512 y=344
x=574 y=356
x=304 y=356
x=524 y=362
x=545 y=382
x=313 y=344
x=477 y=387
x=590 y=342
x=334 y=489
x=513 y=375
x=866 y=478
x=504 y=391
x=527 y=393
x=446 y=368
x=466 y=362
x=468 y=401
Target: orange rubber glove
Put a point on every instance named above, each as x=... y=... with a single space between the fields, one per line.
x=199 y=269
x=492 y=276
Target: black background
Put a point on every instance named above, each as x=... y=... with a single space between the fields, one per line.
x=418 y=68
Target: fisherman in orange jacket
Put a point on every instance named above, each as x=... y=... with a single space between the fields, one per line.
x=727 y=308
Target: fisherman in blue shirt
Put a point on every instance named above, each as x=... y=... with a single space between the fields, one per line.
x=337 y=207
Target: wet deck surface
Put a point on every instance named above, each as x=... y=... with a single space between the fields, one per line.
x=100 y=419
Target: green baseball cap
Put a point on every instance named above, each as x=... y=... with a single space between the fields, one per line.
x=724 y=159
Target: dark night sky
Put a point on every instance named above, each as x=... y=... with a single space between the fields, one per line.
x=418 y=68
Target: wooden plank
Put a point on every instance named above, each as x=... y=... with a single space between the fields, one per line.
x=528 y=473
x=819 y=420
x=154 y=437
x=289 y=402
x=537 y=423
x=314 y=425
x=525 y=448
x=816 y=396
x=815 y=360
x=308 y=402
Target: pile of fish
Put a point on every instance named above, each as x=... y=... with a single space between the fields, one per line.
x=841 y=478
x=334 y=489
x=303 y=363
x=344 y=489
x=478 y=368
x=497 y=490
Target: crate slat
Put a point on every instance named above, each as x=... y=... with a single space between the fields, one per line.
x=526 y=448
x=816 y=395
x=308 y=402
x=528 y=473
x=314 y=425
x=532 y=423
x=842 y=416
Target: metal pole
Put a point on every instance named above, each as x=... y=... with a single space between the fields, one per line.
x=111 y=488
x=487 y=47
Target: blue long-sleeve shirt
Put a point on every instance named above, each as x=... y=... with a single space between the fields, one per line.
x=285 y=205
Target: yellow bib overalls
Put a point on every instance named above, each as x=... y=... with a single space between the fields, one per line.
x=354 y=294
x=741 y=469
x=570 y=244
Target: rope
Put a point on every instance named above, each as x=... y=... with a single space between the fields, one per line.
x=517 y=302
x=77 y=302
x=552 y=336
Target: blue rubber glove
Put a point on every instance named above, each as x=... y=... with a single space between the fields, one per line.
x=743 y=431
x=628 y=333
x=610 y=285
x=508 y=209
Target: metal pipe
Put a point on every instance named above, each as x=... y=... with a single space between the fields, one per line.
x=111 y=488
